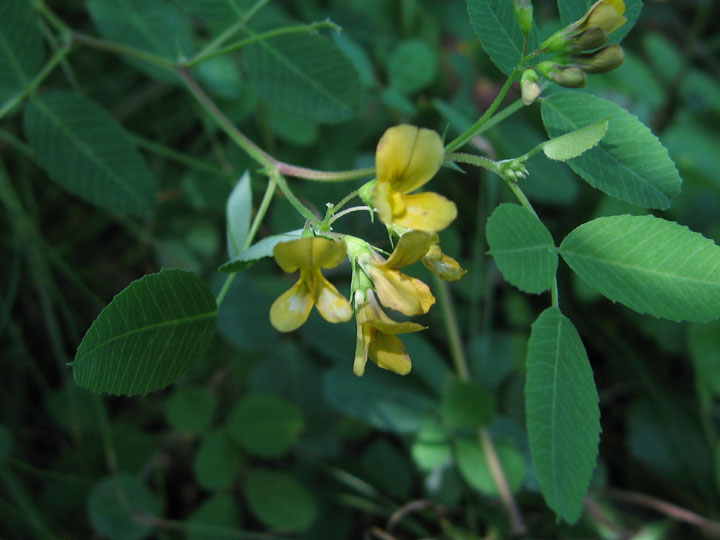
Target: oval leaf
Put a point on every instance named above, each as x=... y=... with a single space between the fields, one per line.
x=148 y=336
x=237 y=212
x=279 y=500
x=304 y=75
x=630 y=163
x=561 y=407
x=576 y=142
x=648 y=264
x=21 y=47
x=265 y=425
x=263 y=248
x=497 y=28
x=88 y=153
x=522 y=247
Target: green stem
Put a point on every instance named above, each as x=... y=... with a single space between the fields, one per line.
x=180 y=157
x=124 y=50
x=300 y=207
x=323 y=176
x=39 y=78
x=477 y=126
x=231 y=30
x=55 y=21
x=259 y=216
x=479 y=161
x=348 y=211
x=453 y=330
x=260 y=37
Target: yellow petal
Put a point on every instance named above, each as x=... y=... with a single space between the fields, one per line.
x=370 y=313
x=292 y=308
x=364 y=336
x=605 y=14
x=411 y=247
x=332 y=305
x=443 y=266
x=388 y=352
x=388 y=202
x=309 y=253
x=426 y=212
x=408 y=157
x=398 y=291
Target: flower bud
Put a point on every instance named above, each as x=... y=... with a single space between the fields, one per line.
x=605 y=59
x=589 y=39
x=529 y=86
x=591 y=31
x=524 y=15
x=605 y=14
x=568 y=76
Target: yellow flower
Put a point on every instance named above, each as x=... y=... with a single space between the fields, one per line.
x=309 y=255
x=376 y=337
x=406 y=159
x=443 y=266
x=604 y=14
x=396 y=290
x=591 y=31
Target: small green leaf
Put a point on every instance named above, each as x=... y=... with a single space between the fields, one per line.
x=561 y=407
x=259 y=250
x=522 y=247
x=629 y=163
x=411 y=66
x=305 y=75
x=387 y=468
x=265 y=425
x=88 y=153
x=573 y=10
x=117 y=505
x=21 y=47
x=237 y=212
x=217 y=461
x=148 y=336
x=648 y=264
x=496 y=25
x=280 y=501
x=473 y=465
x=216 y=519
x=466 y=405
x=154 y=26
x=191 y=409
x=431 y=448
x=576 y=142
x=704 y=345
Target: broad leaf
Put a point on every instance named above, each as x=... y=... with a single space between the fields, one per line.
x=630 y=163
x=495 y=24
x=21 y=47
x=237 y=212
x=466 y=405
x=576 y=142
x=217 y=461
x=411 y=66
x=648 y=264
x=474 y=468
x=155 y=26
x=561 y=407
x=279 y=501
x=522 y=248
x=88 y=153
x=114 y=503
x=148 y=336
x=259 y=250
x=573 y=10
x=305 y=75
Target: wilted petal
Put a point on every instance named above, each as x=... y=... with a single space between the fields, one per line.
x=292 y=308
x=388 y=352
x=426 y=212
x=332 y=305
x=371 y=313
x=364 y=336
x=399 y=291
x=411 y=247
x=443 y=266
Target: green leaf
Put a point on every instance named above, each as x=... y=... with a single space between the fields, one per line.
x=649 y=265
x=466 y=405
x=562 y=414
x=474 y=467
x=265 y=425
x=280 y=501
x=191 y=409
x=116 y=505
x=704 y=345
x=154 y=26
x=148 y=336
x=573 y=10
x=495 y=24
x=576 y=142
x=259 y=250
x=88 y=153
x=376 y=398
x=217 y=461
x=431 y=448
x=630 y=163
x=237 y=212
x=223 y=10
x=21 y=47
x=411 y=66
x=522 y=248
x=388 y=468
x=304 y=75
x=216 y=519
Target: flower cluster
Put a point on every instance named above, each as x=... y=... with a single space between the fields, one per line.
x=582 y=48
x=406 y=159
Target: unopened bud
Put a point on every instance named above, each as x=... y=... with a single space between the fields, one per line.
x=568 y=76
x=589 y=39
x=529 y=86
x=601 y=61
x=524 y=15
x=605 y=14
